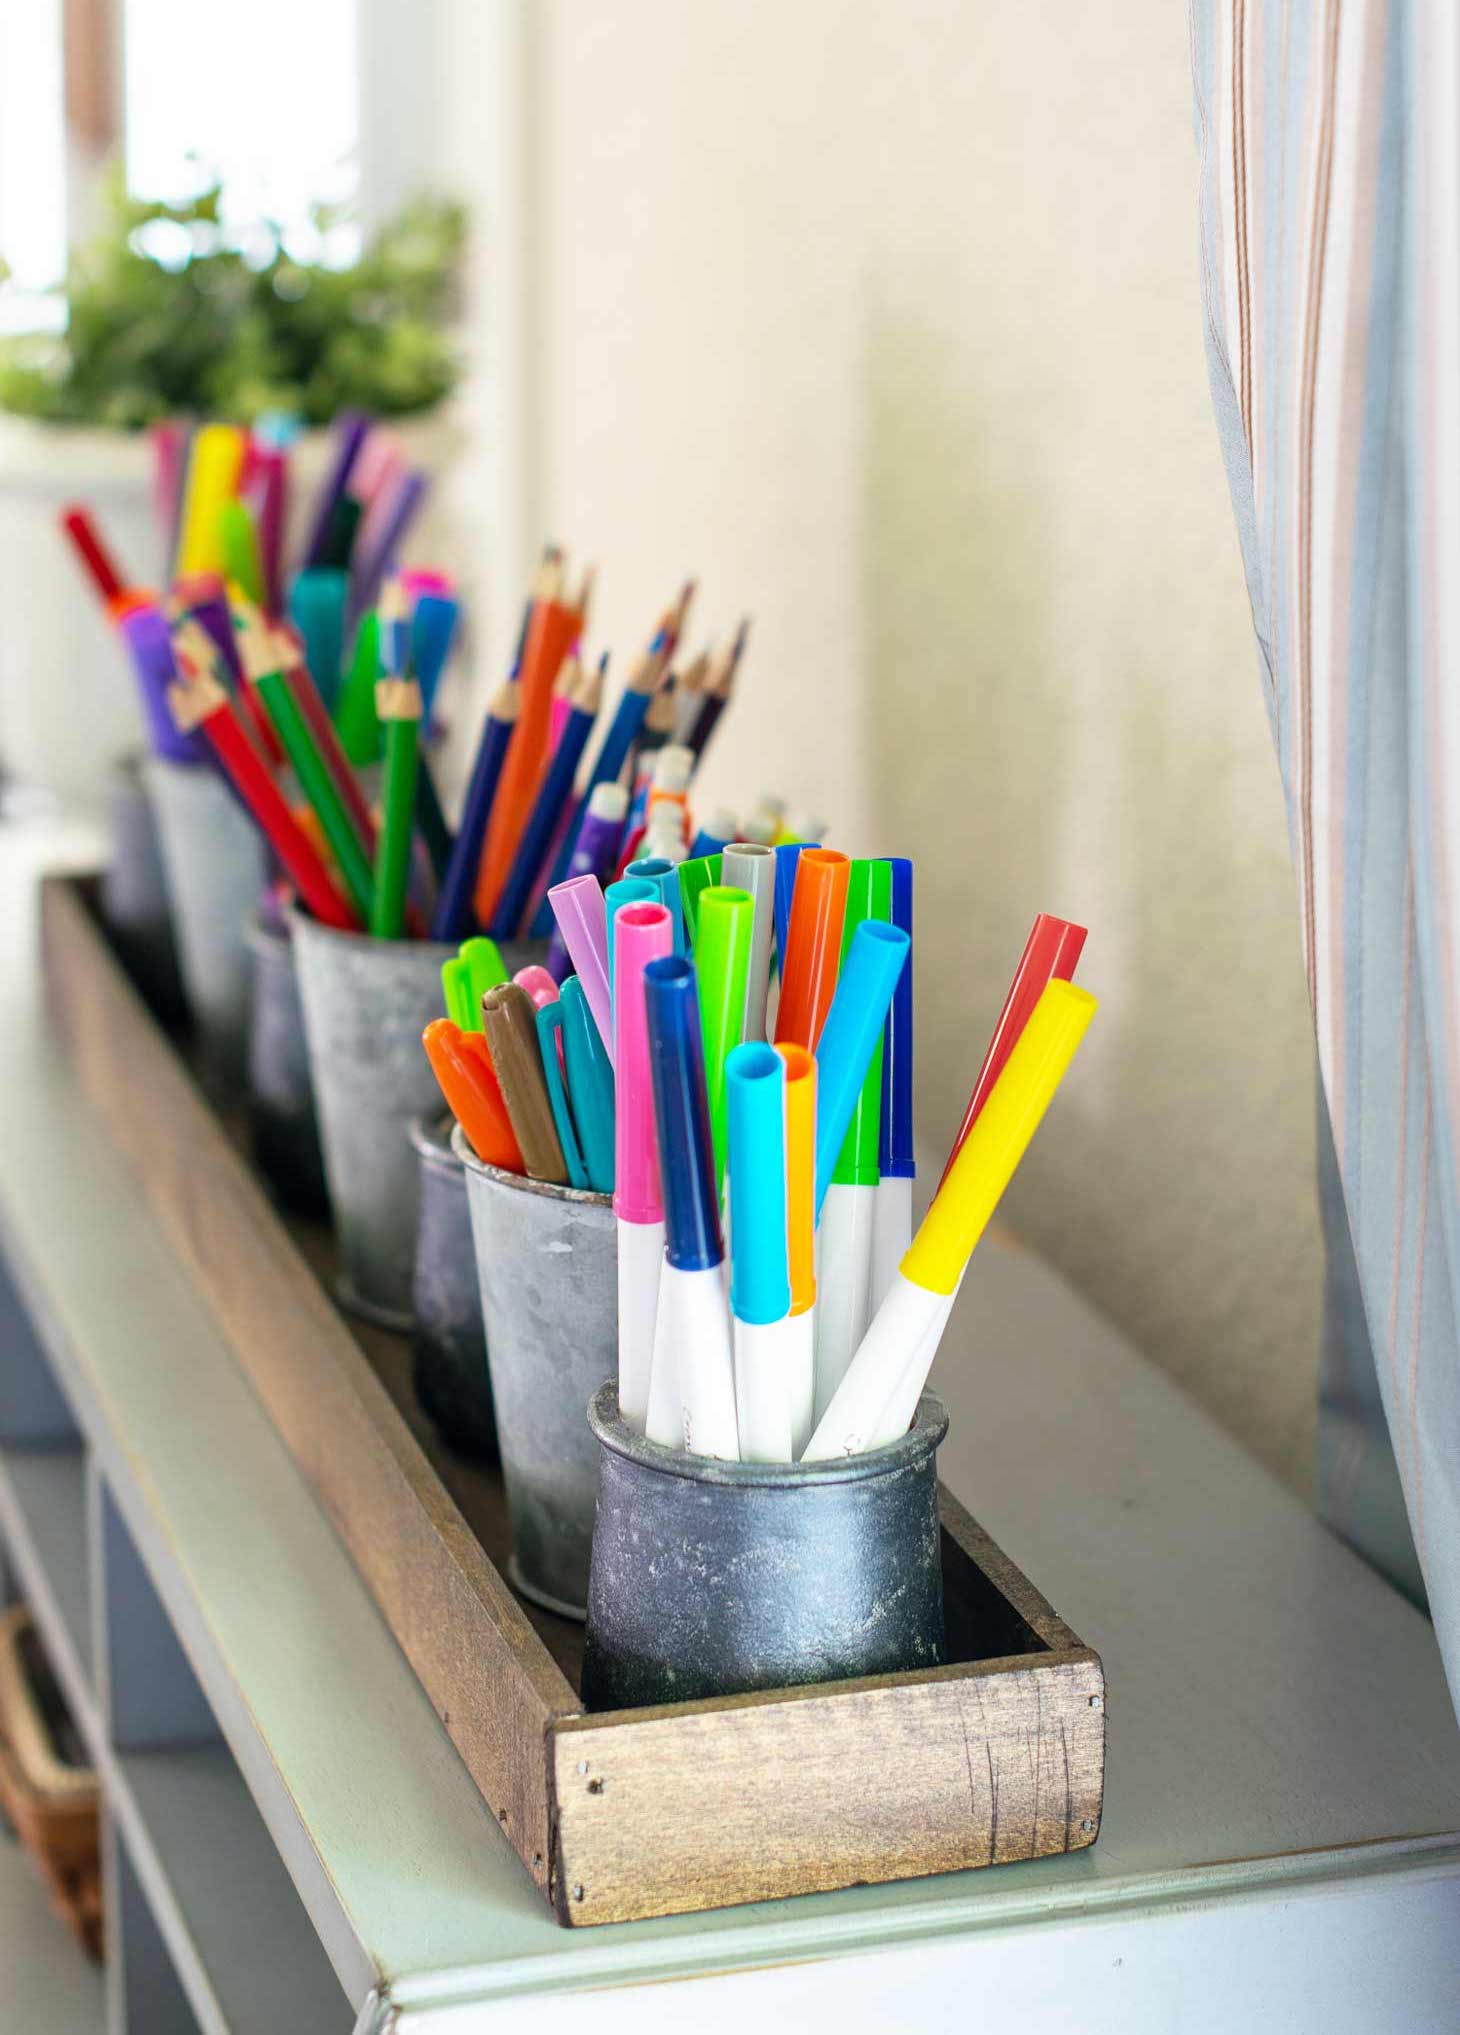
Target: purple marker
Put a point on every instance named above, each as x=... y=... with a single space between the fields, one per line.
x=378 y=542
x=595 y=852
x=352 y=426
x=214 y=616
x=149 y=645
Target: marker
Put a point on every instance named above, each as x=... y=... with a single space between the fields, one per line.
x=212 y=479
x=628 y=890
x=454 y=914
x=760 y=1280
x=849 y=1097
x=549 y=1036
x=788 y=854
x=800 y=1069
x=154 y=665
x=813 y=945
x=80 y=526
x=664 y=876
x=696 y=875
x=1050 y=955
x=350 y=429
x=463 y=1067
x=238 y=540
x=747 y=865
x=466 y=978
x=581 y=910
x=722 y=958
x=590 y=1085
x=510 y=1025
x=896 y=1167
x=382 y=534
x=693 y=1326
x=643 y=935
x=433 y=625
x=906 y=1325
x=354 y=708
x=540 y=986
x=317 y=610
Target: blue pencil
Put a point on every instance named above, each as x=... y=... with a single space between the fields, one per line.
x=547 y=810
x=454 y=918
x=623 y=732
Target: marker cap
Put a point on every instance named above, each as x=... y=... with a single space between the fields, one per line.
x=722 y=963
x=432 y=626
x=682 y=1116
x=813 y=944
x=800 y=1174
x=895 y=1124
x=663 y=874
x=998 y=1140
x=869 y=898
x=581 y=912
x=641 y=934
x=788 y=854
x=851 y=1038
x=755 y=1093
x=696 y=877
x=628 y=890
x=750 y=866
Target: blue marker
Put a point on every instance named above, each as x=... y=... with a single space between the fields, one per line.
x=760 y=1281
x=549 y=1024
x=692 y=1381
x=865 y=987
x=590 y=1085
x=663 y=874
x=432 y=627
x=628 y=890
x=787 y=856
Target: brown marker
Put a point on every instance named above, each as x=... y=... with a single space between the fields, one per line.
x=510 y=1021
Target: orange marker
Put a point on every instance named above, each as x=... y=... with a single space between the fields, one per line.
x=813 y=946
x=801 y=1238
x=468 y=1080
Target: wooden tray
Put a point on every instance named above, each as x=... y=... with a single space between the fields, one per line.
x=617 y=1815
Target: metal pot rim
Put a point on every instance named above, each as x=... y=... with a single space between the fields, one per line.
x=432 y=1135
x=438 y=950
x=908 y=1451
x=462 y=1148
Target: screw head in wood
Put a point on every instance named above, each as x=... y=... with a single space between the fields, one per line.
x=1088 y=1823
x=577 y=1893
x=1097 y=1702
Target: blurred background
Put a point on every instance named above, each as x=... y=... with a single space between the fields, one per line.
x=886 y=325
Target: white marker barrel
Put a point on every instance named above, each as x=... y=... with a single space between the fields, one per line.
x=762 y=1403
x=694 y=1319
x=801 y=1377
x=640 y=1256
x=899 y=1332
x=891 y=1233
x=843 y=1283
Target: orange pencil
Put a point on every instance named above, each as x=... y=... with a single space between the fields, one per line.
x=551 y=634
x=469 y=1083
x=813 y=946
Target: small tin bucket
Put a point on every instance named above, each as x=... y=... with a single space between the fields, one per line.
x=134 y=900
x=547 y=1259
x=215 y=870
x=366 y=1003
x=280 y=1094
x=448 y=1342
x=713 y=1578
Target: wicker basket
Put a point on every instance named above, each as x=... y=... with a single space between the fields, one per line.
x=53 y=1802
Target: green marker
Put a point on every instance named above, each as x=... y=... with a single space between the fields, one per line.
x=240 y=546
x=356 y=721
x=695 y=877
x=722 y=964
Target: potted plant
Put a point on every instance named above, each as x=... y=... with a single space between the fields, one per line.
x=174 y=312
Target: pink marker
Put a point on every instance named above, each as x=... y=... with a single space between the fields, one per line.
x=641 y=934
x=582 y=920
x=539 y=985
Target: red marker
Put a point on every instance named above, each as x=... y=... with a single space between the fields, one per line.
x=100 y=567
x=1050 y=954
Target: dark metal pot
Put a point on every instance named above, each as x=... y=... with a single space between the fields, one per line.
x=280 y=1092
x=449 y=1343
x=712 y=1578
x=134 y=900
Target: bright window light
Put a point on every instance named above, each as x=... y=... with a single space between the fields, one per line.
x=32 y=161
x=277 y=116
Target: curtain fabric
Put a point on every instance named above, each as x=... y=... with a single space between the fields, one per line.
x=1328 y=134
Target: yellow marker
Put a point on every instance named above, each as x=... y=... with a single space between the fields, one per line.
x=885 y=1378
x=213 y=473
x=801 y=1239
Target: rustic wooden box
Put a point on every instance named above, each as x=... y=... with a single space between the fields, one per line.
x=998 y=1756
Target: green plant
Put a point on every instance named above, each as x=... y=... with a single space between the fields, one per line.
x=171 y=313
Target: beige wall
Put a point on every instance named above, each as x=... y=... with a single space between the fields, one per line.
x=885 y=320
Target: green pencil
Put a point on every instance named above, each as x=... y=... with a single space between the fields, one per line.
x=319 y=788
x=398 y=704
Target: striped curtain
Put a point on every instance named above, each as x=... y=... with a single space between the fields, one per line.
x=1329 y=140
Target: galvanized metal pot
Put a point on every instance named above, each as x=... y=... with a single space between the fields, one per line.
x=449 y=1342
x=712 y=1578
x=215 y=868
x=547 y=1259
x=366 y=1003
x=280 y=1093
x=134 y=901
